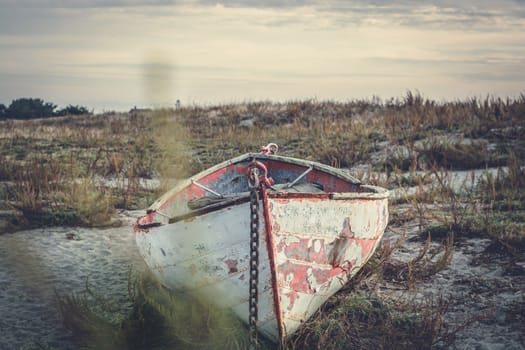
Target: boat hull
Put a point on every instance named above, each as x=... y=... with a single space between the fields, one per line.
x=310 y=245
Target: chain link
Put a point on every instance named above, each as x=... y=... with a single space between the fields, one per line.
x=257 y=183
x=254 y=265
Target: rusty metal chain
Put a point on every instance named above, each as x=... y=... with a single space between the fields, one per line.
x=253 y=182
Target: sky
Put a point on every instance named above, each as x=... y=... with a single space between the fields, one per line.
x=117 y=54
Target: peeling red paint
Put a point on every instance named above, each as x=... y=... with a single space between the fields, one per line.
x=317 y=250
x=292 y=295
x=311 y=250
x=147 y=219
x=270 y=246
x=295 y=277
x=366 y=246
x=241 y=169
x=307 y=278
x=142 y=222
x=323 y=276
x=330 y=182
x=312 y=239
x=232 y=265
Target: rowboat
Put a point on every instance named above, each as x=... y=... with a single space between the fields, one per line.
x=269 y=237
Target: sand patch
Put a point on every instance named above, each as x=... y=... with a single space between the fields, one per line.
x=36 y=263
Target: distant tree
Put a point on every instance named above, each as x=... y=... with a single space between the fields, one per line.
x=3 y=110
x=72 y=110
x=28 y=108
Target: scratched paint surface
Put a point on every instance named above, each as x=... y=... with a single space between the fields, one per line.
x=319 y=245
x=209 y=256
x=230 y=178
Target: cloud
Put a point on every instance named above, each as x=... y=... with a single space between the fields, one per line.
x=335 y=4
x=462 y=13
x=86 y=3
x=154 y=3
x=219 y=50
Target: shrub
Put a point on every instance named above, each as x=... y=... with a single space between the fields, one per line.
x=72 y=110
x=28 y=108
x=3 y=110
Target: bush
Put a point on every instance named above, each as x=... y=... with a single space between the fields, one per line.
x=29 y=108
x=72 y=110
x=3 y=110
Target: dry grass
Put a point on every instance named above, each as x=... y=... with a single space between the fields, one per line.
x=56 y=171
x=366 y=321
x=358 y=317
x=362 y=317
x=156 y=318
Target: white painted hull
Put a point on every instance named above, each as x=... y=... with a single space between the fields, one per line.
x=309 y=248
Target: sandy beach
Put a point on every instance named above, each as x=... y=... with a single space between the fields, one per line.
x=480 y=294
x=36 y=264
x=447 y=175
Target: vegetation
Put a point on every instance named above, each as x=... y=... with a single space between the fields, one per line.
x=356 y=318
x=33 y=108
x=3 y=109
x=59 y=170
x=72 y=110
x=156 y=319
x=79 y=171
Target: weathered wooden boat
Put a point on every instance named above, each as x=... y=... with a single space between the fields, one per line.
x=270 y=237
